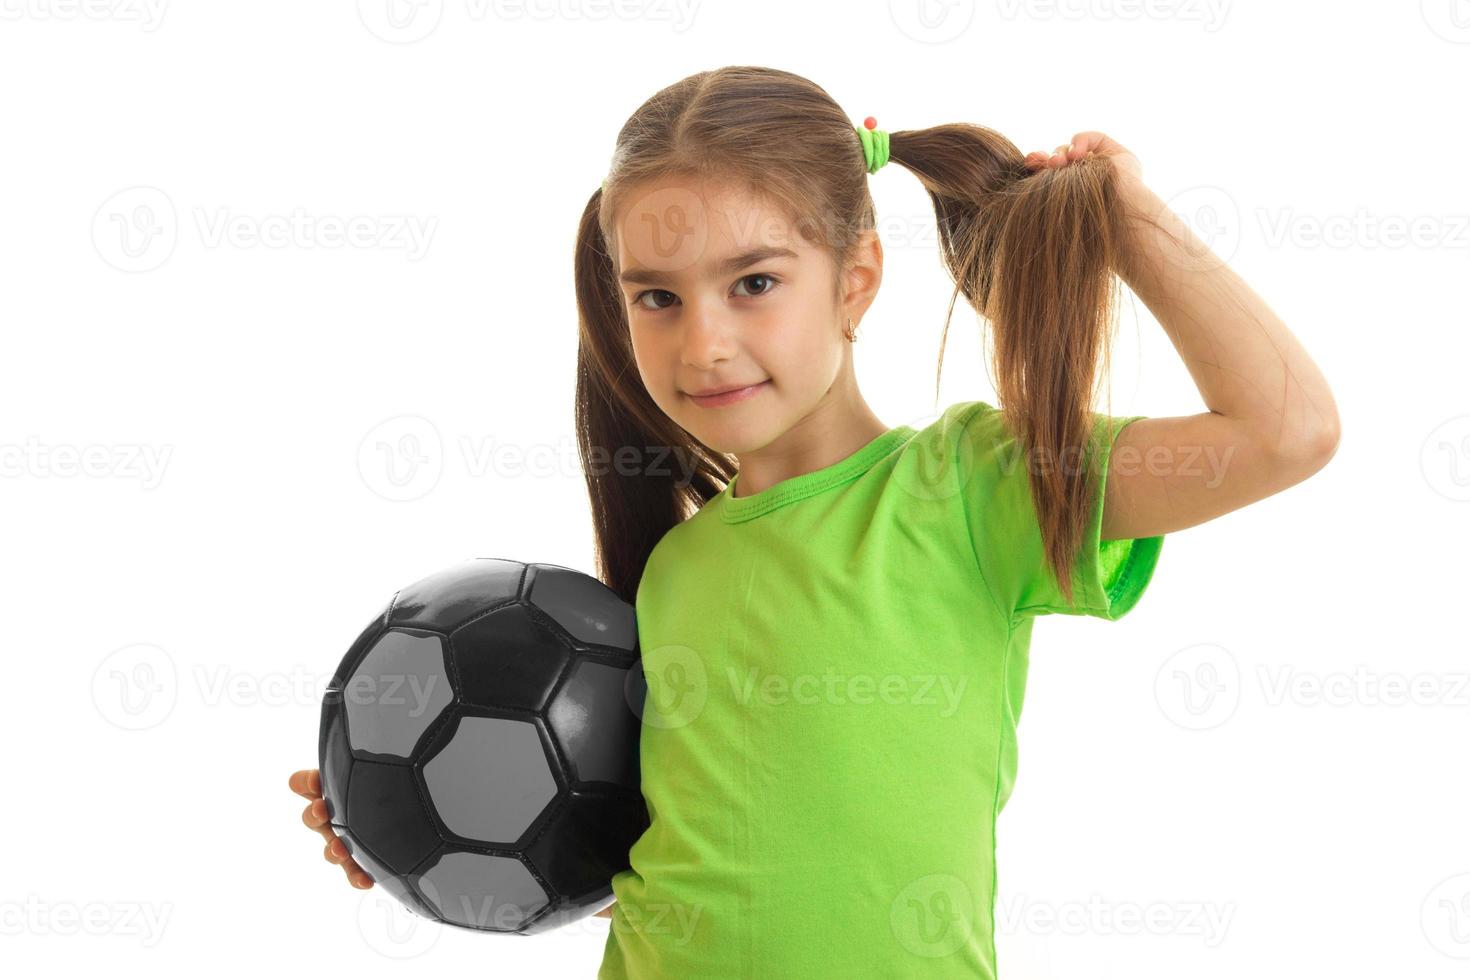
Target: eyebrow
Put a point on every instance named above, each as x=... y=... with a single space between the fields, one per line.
x=652 y=277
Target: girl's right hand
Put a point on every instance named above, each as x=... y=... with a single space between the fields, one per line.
x=308 y=783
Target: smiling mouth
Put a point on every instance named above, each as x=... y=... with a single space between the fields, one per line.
x=728 y=396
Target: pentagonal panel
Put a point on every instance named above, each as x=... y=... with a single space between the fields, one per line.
x=397 y=692
x=491 y=780
x=482 y=891
x=591 y=719
x=586 y=843
x=335 y=757
x=506 y=659
x=446 y=599
x=583 y=606
x=385 y=879
x=388 y=815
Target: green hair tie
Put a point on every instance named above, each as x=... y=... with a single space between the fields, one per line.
x=875 y=144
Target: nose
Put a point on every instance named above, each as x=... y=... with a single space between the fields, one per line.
x=708 y=337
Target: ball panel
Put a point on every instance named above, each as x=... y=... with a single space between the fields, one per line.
x=384 y=878
x=334 y=757
x=396 y=693
x=482 y=891
x=389 y=817
x=446 y=599
x=491 y=780
x=586 y=843
x=591 y=719
x=359 y=646
x=583 y=606
x=556 y=917
x=505 y=659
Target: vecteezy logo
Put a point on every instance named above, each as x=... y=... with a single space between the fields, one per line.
x=391 y=929
x=1444 y=459
x=135 y=230
x=1198 y=687
x=136 y=686
x=1212 y=215
x=401 y=458
x=1445 y=916
x=400 y=21
x=932 y=21
x=933 y=916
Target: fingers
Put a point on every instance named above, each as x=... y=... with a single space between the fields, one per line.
x=1036 y=160
x=336 y=852
x=307 y=783
x=1082 y=146
x=315 y=815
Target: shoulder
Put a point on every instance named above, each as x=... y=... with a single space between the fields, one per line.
x=973 y=435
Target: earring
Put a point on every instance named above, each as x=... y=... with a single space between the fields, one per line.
x=851 y=334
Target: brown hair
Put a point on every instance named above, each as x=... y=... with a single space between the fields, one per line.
x=1032 y=251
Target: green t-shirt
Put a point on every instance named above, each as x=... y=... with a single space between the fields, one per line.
x=835 y=671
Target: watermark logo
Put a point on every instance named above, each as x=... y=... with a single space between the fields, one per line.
x=1444 y=459
x=933 y=916
x=400 y=21
x=391 y=929
x=673 y=689
x=136 y=687
x=1208 y=921
x=1199 y=686
x=39 y=460
x=932 y=21
x=1448 y=19
x=1212 y=215
x=136 y=229
x=401 y=458
x=147 y=14
x=37 y=917
x=1445 y=916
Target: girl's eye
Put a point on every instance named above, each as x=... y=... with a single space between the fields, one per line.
x=637 y=300
x=761 y=276
x=770 y=281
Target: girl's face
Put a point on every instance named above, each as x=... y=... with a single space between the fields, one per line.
x=721 y=292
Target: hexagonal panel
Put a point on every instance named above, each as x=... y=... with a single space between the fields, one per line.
x=389 y=817
x=583 y=606
x=446 y=599
x=506 y=659
x=397 y=691
x=482 y=891
x=586 y=843
x=591 y=719
x=492 y=779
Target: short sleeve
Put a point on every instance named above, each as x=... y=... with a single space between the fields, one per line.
x=1108 y=577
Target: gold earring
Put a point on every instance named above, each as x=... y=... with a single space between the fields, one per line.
x=851 y=334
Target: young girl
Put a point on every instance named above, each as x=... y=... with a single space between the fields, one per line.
x=835 y=615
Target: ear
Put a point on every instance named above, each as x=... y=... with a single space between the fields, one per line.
x=862 y=276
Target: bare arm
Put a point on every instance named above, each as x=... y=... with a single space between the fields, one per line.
x=1272 y=421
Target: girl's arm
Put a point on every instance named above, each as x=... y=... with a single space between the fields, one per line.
x=1272 y=421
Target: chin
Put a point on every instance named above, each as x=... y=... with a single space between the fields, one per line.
x=731 y=435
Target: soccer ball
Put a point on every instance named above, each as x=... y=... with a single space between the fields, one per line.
x=479 y=746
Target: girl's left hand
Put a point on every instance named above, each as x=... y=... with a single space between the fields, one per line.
x=1084 y=145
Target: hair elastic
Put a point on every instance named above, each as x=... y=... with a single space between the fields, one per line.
x=875 y=144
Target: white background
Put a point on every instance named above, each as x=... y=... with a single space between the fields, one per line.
x=1231 y=762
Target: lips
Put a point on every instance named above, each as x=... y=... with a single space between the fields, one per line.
x=722 y=389
x=727 y=395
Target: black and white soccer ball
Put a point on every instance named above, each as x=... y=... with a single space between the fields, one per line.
x=479 y=746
